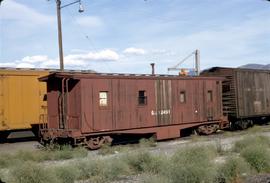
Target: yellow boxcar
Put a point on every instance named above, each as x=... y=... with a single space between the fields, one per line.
x=22 y=103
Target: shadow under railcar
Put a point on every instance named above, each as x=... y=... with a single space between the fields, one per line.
x=17 y=136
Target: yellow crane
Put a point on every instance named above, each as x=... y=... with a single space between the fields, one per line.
x=197 y=63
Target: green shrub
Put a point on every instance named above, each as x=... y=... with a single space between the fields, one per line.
x=258 y=157
x=66 y=174
x=5 y=160
x=4 y=176
x=46 y=154
x=83 y=169
x=233 y=170
x=157 y=164
x=80 y=152
x=192 y=165
x=146 y=162
x=62 y=155
x=254 y=129
x=150 y=178
x=106 y=149
x=31 y=173
x=102 y=170
x=251 y=141
x=94 y=170
x=25 y=155
x=116 y=168
x=138 y=161
x=147 y=142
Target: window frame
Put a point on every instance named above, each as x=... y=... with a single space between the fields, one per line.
x=183 y=93
x=101 y=98
x=142 y=98
x=209 y=95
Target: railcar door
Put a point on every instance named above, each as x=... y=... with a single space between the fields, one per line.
x=209 y=99
x=163 y=92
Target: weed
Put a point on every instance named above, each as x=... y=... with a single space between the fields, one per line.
x=192 y=165
x=94 y=170
x=151 y=178
x=80 y=152
x=251 y=141
x=258 y=157
x=233 y=170
x=195 y=138
x=31 y=173
x=157 y=164
x=138 y=161
x=147 y=142
x=254 y=129
x=106 y=149
x=219 y=148
x=66 y=174
x=116 y=168
x=5 y=160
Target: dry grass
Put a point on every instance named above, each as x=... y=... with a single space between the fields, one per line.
x=251 y=141
x=235 y=169
x=258 y=157
x=66 y=152
x=192 y=165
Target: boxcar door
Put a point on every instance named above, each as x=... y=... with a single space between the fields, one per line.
x=163 y=92
x=103 y=97
x=209 y=94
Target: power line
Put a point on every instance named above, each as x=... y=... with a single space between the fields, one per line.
x=86 y=36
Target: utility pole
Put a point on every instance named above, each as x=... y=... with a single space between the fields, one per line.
x=59 y=26
x=60 y=42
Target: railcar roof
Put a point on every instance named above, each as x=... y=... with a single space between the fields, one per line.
x=82 y=75
x=213 y=69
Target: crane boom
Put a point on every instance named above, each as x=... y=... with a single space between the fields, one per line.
x=197 y=63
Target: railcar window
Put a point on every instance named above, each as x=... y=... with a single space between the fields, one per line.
x=209 y=96
x=142 y=99
x=103 y=98
x=182 y=97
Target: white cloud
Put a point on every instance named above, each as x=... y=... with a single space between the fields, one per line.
x=103 y=55
x=134 y=51
x=35 y=59
x=25 y=65
x=14 y=11
x=78 y=61
x=89 y=21
x=7 y=64
x=50 y=63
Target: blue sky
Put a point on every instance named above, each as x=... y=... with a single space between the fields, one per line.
x=126 y=36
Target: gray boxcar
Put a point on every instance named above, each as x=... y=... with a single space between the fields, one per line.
x=246 y=94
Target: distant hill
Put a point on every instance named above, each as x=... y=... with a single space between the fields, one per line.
x=256 y=66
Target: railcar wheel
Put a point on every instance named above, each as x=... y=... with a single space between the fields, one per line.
x=208 y=129
x=94 y=143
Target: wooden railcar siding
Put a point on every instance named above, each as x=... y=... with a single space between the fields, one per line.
x=253 y=93
x=246 y=92
x=135 y=104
